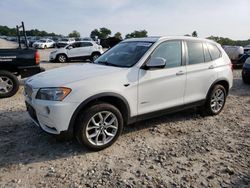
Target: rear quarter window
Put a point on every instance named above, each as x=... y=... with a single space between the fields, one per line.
x=214 y=51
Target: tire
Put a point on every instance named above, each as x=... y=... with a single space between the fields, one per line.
x=62 y=58
x=45 y=47
x=244 y=79
x=94 y=56
x=9 y=84
x=103 y=135
x=215 y=101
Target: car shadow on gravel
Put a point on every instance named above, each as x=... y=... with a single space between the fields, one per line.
x=21 y=142
x=161 y=120
x=239 y=88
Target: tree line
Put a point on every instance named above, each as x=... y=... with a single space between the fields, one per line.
x=104 y=33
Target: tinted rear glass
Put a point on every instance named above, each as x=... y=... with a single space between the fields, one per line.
x=214 y=51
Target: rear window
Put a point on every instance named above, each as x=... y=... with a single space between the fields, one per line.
x=214 y=51
x=86 y=44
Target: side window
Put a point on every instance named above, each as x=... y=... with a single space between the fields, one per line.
x=86 y=44
x=76 y=45
x=214 y=51
x=207 y=56
x=195 y=52
x=171 y=52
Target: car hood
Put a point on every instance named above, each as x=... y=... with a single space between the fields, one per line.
x=62 y=76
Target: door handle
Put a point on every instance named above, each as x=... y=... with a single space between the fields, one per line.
x=180 y=73
x=211 y=67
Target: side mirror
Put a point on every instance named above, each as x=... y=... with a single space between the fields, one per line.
x=155 y=63
x=70 y=47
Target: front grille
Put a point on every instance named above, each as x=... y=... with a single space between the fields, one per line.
x=28 y=91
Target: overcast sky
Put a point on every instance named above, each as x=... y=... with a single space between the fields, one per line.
x=227 y=18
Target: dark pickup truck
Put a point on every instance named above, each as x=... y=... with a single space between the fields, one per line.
x=15 y=62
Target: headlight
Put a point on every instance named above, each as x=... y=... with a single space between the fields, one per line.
x=53 y=94
x=53 y=52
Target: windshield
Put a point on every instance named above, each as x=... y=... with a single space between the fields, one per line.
x=124 y=54
x=65 y=40
x=42 y=40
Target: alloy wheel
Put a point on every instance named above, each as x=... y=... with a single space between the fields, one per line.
x=102 y=128
x=217 y=100
x=62 y=58
x=6 y=84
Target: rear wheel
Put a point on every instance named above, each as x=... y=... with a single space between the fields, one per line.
x=245 y=80
x=9 y=84
x=215 y=101
x=45 y=47
x=99 y=126
x=61 y=58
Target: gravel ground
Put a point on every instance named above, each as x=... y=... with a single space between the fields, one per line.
x=177 y=150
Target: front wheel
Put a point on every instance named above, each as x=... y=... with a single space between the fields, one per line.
x=61 y=58
x=99 y=126
x=215 y=101
x=9 y=84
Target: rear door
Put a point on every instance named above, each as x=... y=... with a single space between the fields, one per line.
x=86 y=49
x=163 y=88
x=201 y=71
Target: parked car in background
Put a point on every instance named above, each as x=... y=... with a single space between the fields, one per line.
x=246 y=71
x=80 y=50
x=64 y=42
x=135 y=80
x=237 y=54
x=84 y=39
x=247 y=49
x=44 y=43
x=33 y=39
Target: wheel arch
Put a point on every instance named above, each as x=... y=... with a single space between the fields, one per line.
x=222 y=82
x=95 y=52
x=112 y=98
x=62 y=54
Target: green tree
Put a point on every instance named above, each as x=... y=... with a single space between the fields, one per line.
x=118 y=35
x=94 y=33
x=74 y=34
x=194 y=34
x=102 y=33
x=105 y=33
x=137 y=34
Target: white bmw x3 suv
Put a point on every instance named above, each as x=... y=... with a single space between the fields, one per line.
x=137 y=79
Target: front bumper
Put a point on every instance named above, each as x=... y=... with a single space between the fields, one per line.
x=52 y=57
x=52 y=116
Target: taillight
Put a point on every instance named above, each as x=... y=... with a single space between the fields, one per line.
x=37 y=58
x=231 y=65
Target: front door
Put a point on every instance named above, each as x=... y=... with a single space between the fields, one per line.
x=163 y=88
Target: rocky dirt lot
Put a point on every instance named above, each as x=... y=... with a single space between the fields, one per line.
x=177 y=150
